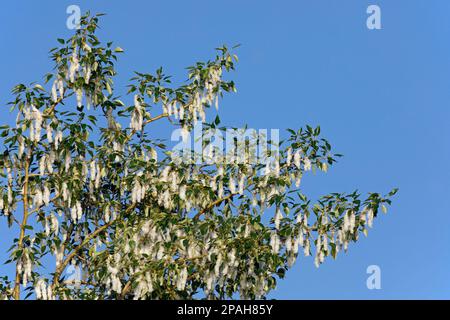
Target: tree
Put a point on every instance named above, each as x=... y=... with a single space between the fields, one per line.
x=87 y=185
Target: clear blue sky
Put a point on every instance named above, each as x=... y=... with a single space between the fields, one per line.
x=381 y=97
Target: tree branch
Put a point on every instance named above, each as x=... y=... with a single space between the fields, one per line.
x=127 y=286
x=69 y=257
x=163 y=115
x=49 y=111
x=74 y=252
x=22 y=226
x=212 y=205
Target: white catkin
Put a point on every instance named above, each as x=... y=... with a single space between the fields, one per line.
x=275 y=242
x=154 y=154
x=182 y=193
x=42 y=165
x=370 y=218
x=60 y=85
x=232 y=184
x=58 y=139
x=37 y=116
x=352 y=221
x=107 y=214
x=54 y=91
x=220 y=189
x=137 y=115
x=50 y=162
x=54 y=224
x=175 y=109
x=306 y=248
x=346 y=223
x=98 y=176
x=288 y=243
x=86 y=47
x=79 y=210
x=65 y=191
x=74 y=66
x=41 y=290
x=241 y=184
x=49 y=131
x=295 y=245
x=79 y=95
x=21 y=147
x=93 y=170
x=38 y=201
x=87 y=74
x=67 y=161
x=325 y=242
x=73 y=214
x=278 y=217
x=297 y=159
x=31 y=131
x=288 y=156
x=46 y=195
x=181 y=112
x=47 y=227
x=307 y=164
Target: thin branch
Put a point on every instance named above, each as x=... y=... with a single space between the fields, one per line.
x=39 y=208
x=163 y=115
x=127 y=286
x=74 y=252
x=212 y=205
x=69 y=257
x=49 y=111
x=22 y=226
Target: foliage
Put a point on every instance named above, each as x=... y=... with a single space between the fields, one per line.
x=85 y=189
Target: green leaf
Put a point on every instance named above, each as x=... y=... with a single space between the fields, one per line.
x=39 y=87
x=108 y=88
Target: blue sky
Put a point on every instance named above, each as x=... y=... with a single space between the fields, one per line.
x=380 y=96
